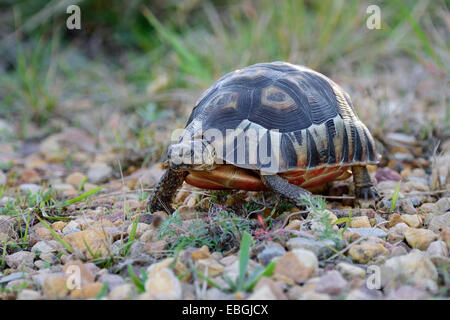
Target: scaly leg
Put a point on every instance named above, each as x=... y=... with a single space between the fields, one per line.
x=165 y=191
x=363 y=185
x=282 y=187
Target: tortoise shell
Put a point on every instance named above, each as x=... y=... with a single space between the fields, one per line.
x=319 y=136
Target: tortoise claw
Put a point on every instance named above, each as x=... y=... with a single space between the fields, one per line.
x=365 y=192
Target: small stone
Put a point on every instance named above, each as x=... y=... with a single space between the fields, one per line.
x=2 y=179
x=298 y=265
x=360 y=222
x=98 y=241
x=369 y=232
x=140 y=229
x=202 y=253
x=394 y=219
x=154 y=247
x=439 y=222
x=415 y=267
x=75 y=179
x=364 y=294
x=331 y=283
x=55 y=287
x=398 y=251
x=263 y=293
x=276 y=287
x=32 y=188
x=216 y=294
x=214 y=268
x=406 y=292
x=43 y=247
x=19 y=259
x=294 y=225
x=419 y=238
x=87 y=291
x=7 y=224
x=412 y=220
x=13 y=276
x=99 y=172
x=387 y=174
x=365 y=252
x=71 y=227
x=437 y=249
x=443 y=204
x=148 y=236
x=59 y=225
x=350 y=271
x=407 y=207
x=322 y=249
x=113 y=280
x=396 y=233
x=122 y=292
x=270 y=251
x=164 y=285
x=28 y=294
x=89 y=187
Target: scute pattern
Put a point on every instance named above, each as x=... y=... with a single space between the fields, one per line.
x=312 y=116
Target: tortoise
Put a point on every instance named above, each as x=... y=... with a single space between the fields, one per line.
x=270 y=126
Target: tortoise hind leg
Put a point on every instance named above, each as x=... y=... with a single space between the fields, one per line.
x=164 y=192
x=282 y=187
x=363 y=185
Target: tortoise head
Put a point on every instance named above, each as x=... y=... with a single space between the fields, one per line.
x=194 y=155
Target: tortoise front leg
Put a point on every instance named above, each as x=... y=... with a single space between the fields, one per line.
x=363 y=184
x=166 y=189
x=282 y=187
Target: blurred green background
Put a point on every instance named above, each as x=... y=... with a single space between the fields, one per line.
x=149 y=60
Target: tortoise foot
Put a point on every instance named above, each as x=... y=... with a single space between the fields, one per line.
x=366 y=192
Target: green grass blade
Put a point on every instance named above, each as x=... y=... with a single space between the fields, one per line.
x=80 y=197
x=56 y=236
x=244 y=258
x=395 y=197
x=258 y=274
x=137 y=282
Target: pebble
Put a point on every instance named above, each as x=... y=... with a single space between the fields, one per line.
x=87 y=291
x=75 y=179
x=214 y=268
x=27 y=294
x=55 y=287
x=71 y=227
x=7 y=224
x=331 y=283
x=369 y=232
x=414 y=267
x=350 y=271
x=407 y=207
x=98 y=241
x=322 y=249
x=406 y=292
x=439 y=222
x=437 y=249
x=443 y=204
x=13 y=276
x=99 y=173
x=270 y=251
x=412 y=220
x=419 y=238
x=44 y=247
x=365 y=252
x=59 y=225
x=122 y=292
x=263 y=293
x=202 y=253
x=81 y=269
x=113 y=280
x=395 y=234
x=140 y=229
x=298 y=265
x=29 y=187
x=216 y=294
x=163 y=285
x=19 y=259
x=360 y=222
x=3 y=179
